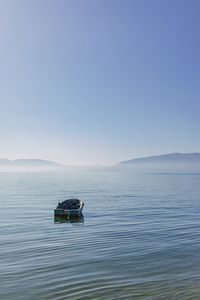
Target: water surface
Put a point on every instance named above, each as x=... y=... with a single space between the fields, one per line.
x=140 y=237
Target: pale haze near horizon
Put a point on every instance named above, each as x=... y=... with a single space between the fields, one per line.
x=97 y=82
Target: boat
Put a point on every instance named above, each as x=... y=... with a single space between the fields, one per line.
x=70 y=207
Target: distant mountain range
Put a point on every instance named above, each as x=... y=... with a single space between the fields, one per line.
x=165 y=159
x=167 y=162
x=30 y=164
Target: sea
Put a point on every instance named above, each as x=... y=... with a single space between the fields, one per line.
x=139 y=237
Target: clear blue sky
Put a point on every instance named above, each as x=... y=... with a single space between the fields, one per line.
x=96 y=82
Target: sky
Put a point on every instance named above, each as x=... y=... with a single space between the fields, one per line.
x=86 y=82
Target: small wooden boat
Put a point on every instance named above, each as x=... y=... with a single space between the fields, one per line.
x=69 y=207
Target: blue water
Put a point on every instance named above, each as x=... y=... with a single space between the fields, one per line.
x=140 y=238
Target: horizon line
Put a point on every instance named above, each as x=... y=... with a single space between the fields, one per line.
x=97 y=165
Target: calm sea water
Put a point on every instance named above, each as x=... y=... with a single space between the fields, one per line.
x=140 y=238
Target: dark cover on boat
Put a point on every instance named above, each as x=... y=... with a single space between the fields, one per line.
x=69 y=204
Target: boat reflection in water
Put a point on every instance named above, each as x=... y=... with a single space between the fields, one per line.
x=68 y=219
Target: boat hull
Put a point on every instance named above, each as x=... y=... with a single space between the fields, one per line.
x=68 y=219
x=68 y=212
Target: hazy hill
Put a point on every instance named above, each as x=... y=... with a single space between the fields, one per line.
x=177 y=162
x=32 y=164
x=166 y=158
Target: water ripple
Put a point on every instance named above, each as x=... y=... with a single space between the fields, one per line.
x=139 y=238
